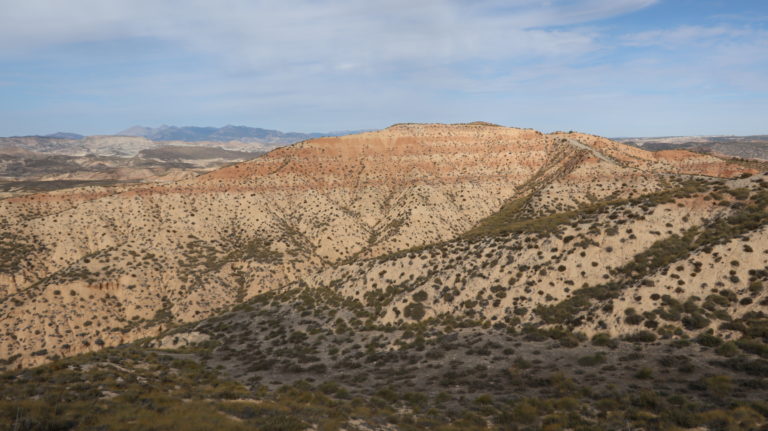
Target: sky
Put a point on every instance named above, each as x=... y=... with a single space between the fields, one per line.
x=614 y=68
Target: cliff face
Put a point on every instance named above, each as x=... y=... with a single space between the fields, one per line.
x=100 y=266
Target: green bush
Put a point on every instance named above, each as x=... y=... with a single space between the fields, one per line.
x=728 y=349
x=695 y=321
x=604 y=339
x=709 y=340
x=415 y=311
x=754 y=346
x=641 y=337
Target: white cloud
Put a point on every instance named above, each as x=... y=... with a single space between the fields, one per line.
x=712 y=58
x=340 y=34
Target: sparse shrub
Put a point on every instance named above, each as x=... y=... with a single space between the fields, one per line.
x=592 y=360
x=756 y=287
x=753 y=345
x=604 y=339
x=709 y=340
x=641 y=337
x=644 y=373
x=415 y=311
x=728 y=349
x=420 y=296
x=695 y=321
x=719 y=386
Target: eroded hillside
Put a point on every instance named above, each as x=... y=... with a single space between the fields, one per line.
x=687 y=261
x=89 y=268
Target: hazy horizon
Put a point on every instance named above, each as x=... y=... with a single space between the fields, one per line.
x=363 y=130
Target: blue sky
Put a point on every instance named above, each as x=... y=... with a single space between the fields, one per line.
x=609 y=67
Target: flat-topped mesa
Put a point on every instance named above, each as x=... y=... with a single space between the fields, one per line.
x=446 y=126
x=431 y=152
x=180 y=251
x=404 y=153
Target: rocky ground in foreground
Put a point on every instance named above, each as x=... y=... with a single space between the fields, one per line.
x=312 y=360
x=319 y=358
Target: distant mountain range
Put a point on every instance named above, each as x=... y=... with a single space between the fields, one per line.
x=130 y=142
x=137 y=154
x=226 y=133
x=210 y=134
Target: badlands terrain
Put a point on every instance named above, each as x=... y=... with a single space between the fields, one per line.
x=424 y=276
x=745 y=147
x=23 y=171
x=30 y=164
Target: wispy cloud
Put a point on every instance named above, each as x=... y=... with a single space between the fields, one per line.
x=336 y=64
x=684 y=35
x=340 y=34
